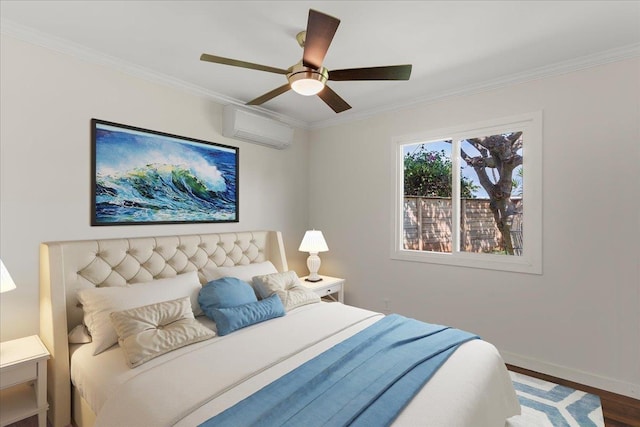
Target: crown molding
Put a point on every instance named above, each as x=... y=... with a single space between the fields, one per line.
x=84 y=53
x=563 y=67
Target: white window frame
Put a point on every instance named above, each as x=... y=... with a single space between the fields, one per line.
x=531 y=259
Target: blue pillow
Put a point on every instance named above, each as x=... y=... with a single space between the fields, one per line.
x=233 y=318
x=225 y=292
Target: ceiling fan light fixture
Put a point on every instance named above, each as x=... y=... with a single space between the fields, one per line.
x=307 y=86
x=307 y=81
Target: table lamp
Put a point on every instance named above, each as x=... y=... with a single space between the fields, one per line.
x=313 y=242
x=6 y=282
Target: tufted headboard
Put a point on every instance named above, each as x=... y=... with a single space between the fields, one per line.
x=66 y=267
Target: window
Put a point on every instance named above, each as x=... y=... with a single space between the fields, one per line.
x=471 y=195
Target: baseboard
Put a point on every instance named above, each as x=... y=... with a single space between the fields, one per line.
x=615 y=386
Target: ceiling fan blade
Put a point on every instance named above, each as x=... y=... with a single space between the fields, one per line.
x=320 y=31
x=243 y=64
x=391 y=72
x=333 y=100
x=269 y=95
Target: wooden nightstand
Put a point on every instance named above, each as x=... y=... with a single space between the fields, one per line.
x=23 y=380
x=327 y=287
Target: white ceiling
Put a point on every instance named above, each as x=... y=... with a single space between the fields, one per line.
x=454 y=46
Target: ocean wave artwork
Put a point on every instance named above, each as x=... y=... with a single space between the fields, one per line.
x=144 y=177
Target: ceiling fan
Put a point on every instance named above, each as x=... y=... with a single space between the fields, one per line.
x=309 y=77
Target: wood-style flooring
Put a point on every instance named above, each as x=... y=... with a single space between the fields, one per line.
x=618 y=410
x=28 y=422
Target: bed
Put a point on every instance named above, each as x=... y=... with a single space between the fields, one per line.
x=471 y=388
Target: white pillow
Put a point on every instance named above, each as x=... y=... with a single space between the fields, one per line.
x=79 y=335
x=153 y=330
x=244 y=272
x=99 y=303
x=287 y=286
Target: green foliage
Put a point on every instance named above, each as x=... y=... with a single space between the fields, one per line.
x=428 y=174
x=516 y=183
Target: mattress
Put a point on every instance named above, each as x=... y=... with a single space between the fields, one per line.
x=192 y=384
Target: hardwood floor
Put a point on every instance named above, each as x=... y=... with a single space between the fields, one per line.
x=28 y=422
x=618 y=410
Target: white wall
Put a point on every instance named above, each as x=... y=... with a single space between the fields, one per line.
x=580 y=319
x=47 y=101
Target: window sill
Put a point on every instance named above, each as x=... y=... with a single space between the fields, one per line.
x=517 y=264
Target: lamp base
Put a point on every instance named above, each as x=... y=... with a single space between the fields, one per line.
x=313 y=264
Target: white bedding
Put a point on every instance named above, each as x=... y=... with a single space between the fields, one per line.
x=198 y=381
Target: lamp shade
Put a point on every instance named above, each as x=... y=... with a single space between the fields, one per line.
x=313 y=242
x=6 y=282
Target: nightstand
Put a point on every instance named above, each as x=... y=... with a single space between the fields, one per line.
x=23 y=380
x=327 y=287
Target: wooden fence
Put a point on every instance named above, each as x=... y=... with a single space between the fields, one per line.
x=427 y=225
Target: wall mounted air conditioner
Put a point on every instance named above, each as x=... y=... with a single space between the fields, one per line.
x=251 y=127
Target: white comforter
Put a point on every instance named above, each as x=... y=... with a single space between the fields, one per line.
x=190 y=385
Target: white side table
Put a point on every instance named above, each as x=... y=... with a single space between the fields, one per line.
x=23 y=380
x=327 y=287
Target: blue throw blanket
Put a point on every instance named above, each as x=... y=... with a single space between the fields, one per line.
x=365 y=380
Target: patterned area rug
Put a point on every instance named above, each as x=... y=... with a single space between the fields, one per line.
x=547 y=404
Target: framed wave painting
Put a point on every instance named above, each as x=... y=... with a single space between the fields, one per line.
x=142 y=176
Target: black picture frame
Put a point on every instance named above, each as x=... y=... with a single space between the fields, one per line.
x=141 y=176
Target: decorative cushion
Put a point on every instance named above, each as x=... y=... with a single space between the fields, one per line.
x=153 y=330
x=98 y=303
x=244 y=272
x=287 y=286
x=79 y=335
x=231 y=319
x=225 y=292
